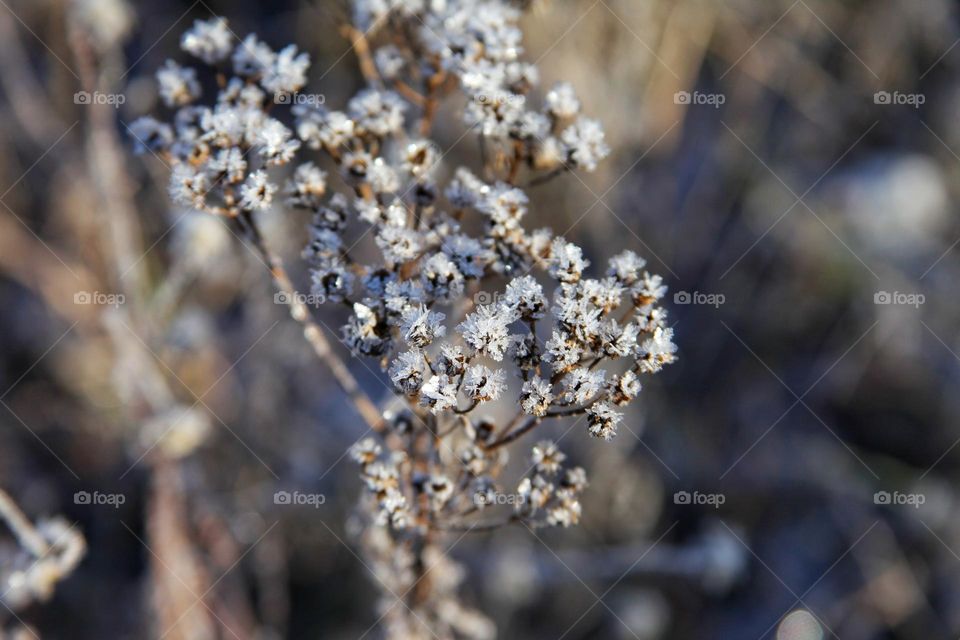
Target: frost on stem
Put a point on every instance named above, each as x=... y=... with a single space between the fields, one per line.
x=564 y=338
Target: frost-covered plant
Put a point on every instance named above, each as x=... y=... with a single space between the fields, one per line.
x=559 y=340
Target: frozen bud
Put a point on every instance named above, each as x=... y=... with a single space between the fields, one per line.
x=382 y=178
x=408 y=371
x=467 y=254
x=210 y=40
x=626 y=267
x=624 y=388
x=566 y=511
x=151 y=135
x=188 y=186
x=257 y=192
x=365 y=334
x=482 y=384
x=534 y=494
x=398 y=245
x=287 y=72
x=439 y=488
x=547 y=457
x=389 y=61
x=441 y=278
x=320 y=128
x=525 y=295
x=562 y=351
x=566 y=262
x=178 y=85
x=575 y=479
x=656 y=351
x=275 y=142
x=603 y=420
x=535 y=397
x=585 y=144
x=525 y=351
x=332 y=283
x=466 y=189
x=420 y=326
x=307 y=186
x=562 y=101
x=228 y=163
x=452 y=360
x=252 y=57
x=487 y=331
x=420 y=157
x=582 y=385
x=377 y=112
x=439 y=394
x=365 y=451
x=648 y=289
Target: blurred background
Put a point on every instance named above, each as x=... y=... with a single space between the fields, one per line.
x=789 y=167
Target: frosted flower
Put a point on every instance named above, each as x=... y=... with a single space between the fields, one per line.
x=441 y=278
x=333 y=283
x=486 y=330
x=210 y=40
x=452 y=360
x=364 y=334
x=257 y=192
x=276 y=145
x=566 y=262
x=307 y=187
x=575 y=479
x=188 y=187
x=365 y=451
x=398 y=244
x=561 y=350
x=483 y=385
x=603 y=420
x=626 y=267
x=150 y=134
x=420 y=326
x=585 y=144
x=582 y=384
x=252 y=57
x=534 y=494
x=562 y=102
x=408 y=371
x=467 y=254
x=535 y=397
x=287 y=72
x=229 y=163
x=379 y=112
x=178 y=85
x=547 y=457
x=566 y=511
x=439 y=394
x=320 y=128
x=389 y=61
x=525 y=295
x=656 y=351
x=439 y=488
x=624 y=388
x=420 y=157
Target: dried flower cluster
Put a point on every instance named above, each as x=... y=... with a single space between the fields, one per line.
x=559 y=340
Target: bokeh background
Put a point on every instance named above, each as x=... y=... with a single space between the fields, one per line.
x=790 y=168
